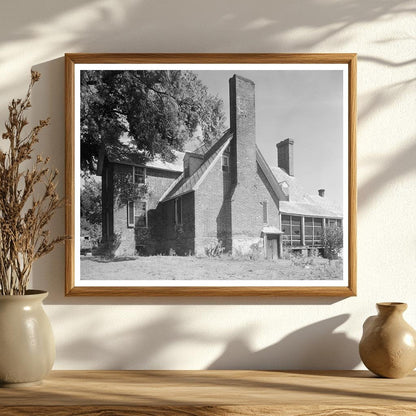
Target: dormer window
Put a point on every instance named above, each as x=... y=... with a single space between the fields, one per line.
x=139 y=175
x=225 y=163
x=285 y=187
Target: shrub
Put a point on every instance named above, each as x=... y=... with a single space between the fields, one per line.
x=332 y=241
x=108 y=248
x=214 y=249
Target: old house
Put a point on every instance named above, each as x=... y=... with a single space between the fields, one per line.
x=226 y=194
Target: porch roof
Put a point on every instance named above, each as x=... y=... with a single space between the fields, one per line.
x=293 y=199
x=269 y=229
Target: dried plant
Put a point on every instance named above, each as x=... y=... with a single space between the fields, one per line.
x=28 y=200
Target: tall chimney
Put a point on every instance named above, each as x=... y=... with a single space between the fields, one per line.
x=321 y=192
x=246 y=216
x=243 y=124
x=285 y=156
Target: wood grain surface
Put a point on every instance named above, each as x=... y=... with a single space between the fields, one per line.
x=203 y=393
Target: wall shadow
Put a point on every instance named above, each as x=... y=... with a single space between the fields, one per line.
x=316 y=346
x=144 y=344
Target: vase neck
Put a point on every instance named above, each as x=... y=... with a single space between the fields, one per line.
x=389 y=308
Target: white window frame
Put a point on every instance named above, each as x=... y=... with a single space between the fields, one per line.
x=314 y=239
x=129 y=209
x=144 y=174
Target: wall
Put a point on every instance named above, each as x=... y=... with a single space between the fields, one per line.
x=198 y=333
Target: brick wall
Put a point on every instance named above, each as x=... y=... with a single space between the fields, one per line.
x=213 y=210
x=175 y=238
x=157 y=182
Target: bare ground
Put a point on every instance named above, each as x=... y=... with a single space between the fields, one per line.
x=194 y=268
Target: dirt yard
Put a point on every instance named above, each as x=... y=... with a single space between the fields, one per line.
x=193 y=268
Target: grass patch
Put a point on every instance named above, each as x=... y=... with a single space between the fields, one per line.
x=218 y=268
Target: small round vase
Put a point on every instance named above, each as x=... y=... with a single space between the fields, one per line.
x=388 y=345
x=27 y=346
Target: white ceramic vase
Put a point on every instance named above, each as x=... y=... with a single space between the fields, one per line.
x=27 y=346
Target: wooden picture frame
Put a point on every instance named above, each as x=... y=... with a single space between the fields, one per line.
x=286 y=224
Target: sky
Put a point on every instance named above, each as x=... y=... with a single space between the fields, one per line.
x=304 y=105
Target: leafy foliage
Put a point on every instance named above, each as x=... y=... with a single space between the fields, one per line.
x=332 y=241
x=28 y=200
x=159 y=110
x=91 y=206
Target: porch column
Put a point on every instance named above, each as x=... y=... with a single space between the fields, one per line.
x=302 y=231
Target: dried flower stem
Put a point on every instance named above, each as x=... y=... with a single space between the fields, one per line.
x=23 y=216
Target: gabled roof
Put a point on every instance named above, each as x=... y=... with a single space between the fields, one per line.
x=182 y=185
x=130 y=155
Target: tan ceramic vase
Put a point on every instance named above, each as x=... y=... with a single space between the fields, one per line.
x=388 y=345
x=27 y=346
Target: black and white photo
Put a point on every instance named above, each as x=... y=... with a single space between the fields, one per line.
x=212 y=175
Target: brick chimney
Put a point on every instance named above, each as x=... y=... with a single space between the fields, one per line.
x=321 y=192
x=285 y=156
x=243 y=124
x=246 y=215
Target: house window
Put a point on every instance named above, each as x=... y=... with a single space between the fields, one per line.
x=313 y=231
x=137 y=214
x=265 y=213
x=330 y=222
x=291 y=227
x=139 y=174
x=225 y=163
x=178 y=211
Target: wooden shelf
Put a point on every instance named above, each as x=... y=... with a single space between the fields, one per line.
x=212 y=393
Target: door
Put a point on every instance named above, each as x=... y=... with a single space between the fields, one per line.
x=272 y=252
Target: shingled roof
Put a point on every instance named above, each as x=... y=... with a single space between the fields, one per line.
x=130 y=155
x=293 y=199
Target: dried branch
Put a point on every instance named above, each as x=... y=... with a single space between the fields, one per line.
x=24 y=216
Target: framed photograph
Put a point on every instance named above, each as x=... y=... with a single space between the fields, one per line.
x=211 y=174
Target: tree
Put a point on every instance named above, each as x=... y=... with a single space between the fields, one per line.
x=159 y=110
x=91 y=207
x=332 y=241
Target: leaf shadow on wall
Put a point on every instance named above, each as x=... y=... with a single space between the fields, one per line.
x=313 y=347
x=143 y=26
x=146 y=346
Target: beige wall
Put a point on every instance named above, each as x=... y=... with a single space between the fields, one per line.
x=235 y=333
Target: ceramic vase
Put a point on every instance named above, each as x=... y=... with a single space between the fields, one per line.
x=388 y=345
x=27 y=346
